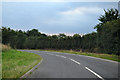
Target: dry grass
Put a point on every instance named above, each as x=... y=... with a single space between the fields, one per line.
x=4 y=47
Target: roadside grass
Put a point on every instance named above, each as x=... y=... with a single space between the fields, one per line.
x=4 y=47
x=98 y=55
x=16 y=63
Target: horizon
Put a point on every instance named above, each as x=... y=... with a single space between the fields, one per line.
x=54 y=18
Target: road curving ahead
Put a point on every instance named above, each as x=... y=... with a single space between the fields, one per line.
x=65 y=65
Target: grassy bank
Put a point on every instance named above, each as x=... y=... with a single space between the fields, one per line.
x=16 y=63
x=98 y=55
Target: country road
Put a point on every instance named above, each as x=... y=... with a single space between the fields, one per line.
x=64 y=65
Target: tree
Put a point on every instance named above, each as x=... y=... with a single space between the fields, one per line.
x=33 y=32
x=89 y=42
x=110 y=14
x=106 y=30
x=77 y=41
x=20 y=39
x=110 y=37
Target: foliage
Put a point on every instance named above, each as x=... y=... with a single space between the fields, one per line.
x=105 y=40
x=110 y=14
x=108 y=40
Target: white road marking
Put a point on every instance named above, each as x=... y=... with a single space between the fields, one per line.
x=74 y=61
x=60 y=56
x=94 y=73
x=57 y=55
x=85 y=67
x=63 y=56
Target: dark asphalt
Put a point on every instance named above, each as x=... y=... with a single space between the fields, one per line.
x=64 y=65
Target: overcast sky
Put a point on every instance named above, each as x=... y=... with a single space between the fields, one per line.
x=54 y=17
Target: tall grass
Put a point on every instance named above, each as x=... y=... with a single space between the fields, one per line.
x=4 y=47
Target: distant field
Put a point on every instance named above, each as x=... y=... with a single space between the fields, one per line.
x=98 y=55
x=16 y=63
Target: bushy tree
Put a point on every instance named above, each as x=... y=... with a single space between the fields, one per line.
x=107 y=32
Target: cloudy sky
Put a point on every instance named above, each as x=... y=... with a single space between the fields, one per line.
x=54 y=17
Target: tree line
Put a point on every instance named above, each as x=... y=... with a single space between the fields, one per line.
x=105 y=40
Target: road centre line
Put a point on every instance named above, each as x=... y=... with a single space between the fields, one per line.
x=88 y=69
x=74 y=61
x=69 y=58
x=94 y=73
x=60 y=56
x=79 y=64
x=63 y=56
x=57 y=55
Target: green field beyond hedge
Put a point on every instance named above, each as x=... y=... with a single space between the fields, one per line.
x=16 y=63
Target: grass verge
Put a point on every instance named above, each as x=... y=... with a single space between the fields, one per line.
x=98 y=55
x=16 y=63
